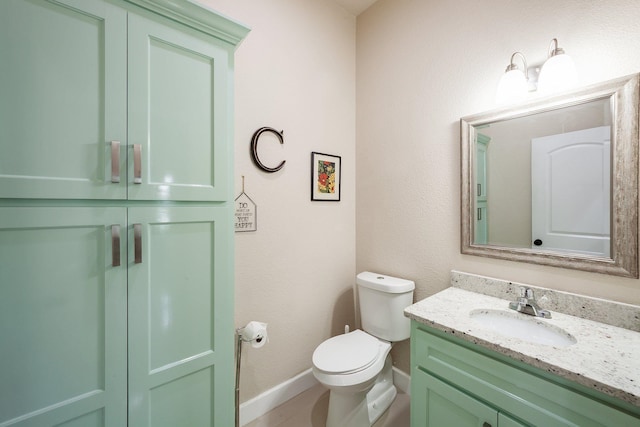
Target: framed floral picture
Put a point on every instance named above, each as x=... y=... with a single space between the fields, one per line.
x=325 y=177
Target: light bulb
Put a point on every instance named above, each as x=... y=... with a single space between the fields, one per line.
x=512 y=87
x=558 y=73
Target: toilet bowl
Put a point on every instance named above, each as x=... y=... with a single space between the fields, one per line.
x=356 y=367
x=351 y=360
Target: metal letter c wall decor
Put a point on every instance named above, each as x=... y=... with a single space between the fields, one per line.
x=254 y=148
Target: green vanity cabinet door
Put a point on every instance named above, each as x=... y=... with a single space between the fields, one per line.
x=178 y=113
x=181 y=317
x=63 y=317
x=63 y=99
x=437 y=404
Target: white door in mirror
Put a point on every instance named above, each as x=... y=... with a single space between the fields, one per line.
x=570 y=189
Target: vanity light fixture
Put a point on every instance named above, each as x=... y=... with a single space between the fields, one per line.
x=558 y=73
x=513 y=84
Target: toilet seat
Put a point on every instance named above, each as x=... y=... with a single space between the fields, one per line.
x=346 y=354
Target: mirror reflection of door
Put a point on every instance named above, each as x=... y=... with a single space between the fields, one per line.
x=571 y=191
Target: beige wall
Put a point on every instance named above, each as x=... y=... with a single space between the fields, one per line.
x=421 y=65
x=295 y=71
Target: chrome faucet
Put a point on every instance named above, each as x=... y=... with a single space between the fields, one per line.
x=527 y=304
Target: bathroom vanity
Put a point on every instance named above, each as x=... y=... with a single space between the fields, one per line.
x=469 y=369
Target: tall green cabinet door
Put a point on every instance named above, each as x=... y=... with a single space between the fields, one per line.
x=63 y=99
x=181 y=317
x=178 y=113
x=63 y=317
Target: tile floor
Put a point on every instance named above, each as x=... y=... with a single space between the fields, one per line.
x=309 y=409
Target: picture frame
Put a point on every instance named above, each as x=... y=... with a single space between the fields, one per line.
x=325 y=177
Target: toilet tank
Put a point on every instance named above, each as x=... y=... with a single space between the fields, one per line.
x=382 y=302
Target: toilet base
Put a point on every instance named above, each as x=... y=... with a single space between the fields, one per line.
x=362 y=409
x=381 y=395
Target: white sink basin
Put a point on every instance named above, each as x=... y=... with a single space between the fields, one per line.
x=521 y=326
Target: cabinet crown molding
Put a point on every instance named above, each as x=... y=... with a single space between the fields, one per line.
x=199 y=17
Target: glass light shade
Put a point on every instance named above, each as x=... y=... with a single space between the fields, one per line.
x=512 y=87
x=558 y=73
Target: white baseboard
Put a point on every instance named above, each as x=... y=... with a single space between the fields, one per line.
x=402 y=381
x=276 y=396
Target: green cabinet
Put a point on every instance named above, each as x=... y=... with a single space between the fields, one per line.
x=104 y=103
x=116 y=214
x=63 y=311
x=454 y=382
x=440 y=404
x=63 y=86
x=180 y=322
x=103 y=302
x=177 y=113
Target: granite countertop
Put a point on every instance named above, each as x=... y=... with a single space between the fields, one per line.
x=605 y=357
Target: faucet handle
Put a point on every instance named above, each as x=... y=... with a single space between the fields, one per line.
x=528 y=293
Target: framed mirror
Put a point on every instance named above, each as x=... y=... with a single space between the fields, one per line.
x=554 y=181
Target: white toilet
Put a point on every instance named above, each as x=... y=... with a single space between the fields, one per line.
x=356 y=366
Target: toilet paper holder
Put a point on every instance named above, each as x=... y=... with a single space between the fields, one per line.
x=256 y=334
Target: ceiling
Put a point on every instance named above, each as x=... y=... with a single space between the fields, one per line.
x=355 y=6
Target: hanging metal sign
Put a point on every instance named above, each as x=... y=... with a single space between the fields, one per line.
x=246 y=212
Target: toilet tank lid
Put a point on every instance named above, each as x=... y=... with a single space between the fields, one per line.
x=380 y=282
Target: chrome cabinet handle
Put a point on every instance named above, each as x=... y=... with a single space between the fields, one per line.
x=115 y=161
x=137 y=243
x=137 y=164
x=115 y=245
